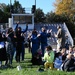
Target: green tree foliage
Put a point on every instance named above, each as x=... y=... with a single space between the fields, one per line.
x=39 y=16
x=52 y=17
x=66 y=7
x=2 y=6
x=3 y=17
x=7 y=10
x=17 y=7
x=4 y=11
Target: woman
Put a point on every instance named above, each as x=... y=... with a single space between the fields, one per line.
x=3 y=55
x=35 y=42
x=19 y=41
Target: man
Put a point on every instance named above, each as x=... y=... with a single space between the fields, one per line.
x=43 y=38
x=60 y=38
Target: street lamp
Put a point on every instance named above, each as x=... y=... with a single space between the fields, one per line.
x=35 y=5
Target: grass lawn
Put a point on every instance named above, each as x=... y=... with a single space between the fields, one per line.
x=29 y=69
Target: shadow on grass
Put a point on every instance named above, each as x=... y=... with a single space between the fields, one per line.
x=28 y=64
x=24 y=64
x=3 y=67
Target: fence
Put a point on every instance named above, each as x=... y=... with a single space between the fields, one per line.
x=70 y=39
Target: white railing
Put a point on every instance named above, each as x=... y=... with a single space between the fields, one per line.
x=69 y=35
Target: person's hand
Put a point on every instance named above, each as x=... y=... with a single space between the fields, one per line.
x=29 y=36
x=42 y=58
x=55 y=35
x=7 y=35
x=38 y=35
x=26 y=24
x=14 y=36
x=17 y=22
x=50 y=30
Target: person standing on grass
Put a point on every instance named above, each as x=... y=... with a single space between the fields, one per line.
x=19 y=41
x=35 y=42
x=29 y=45
x=23 y=47
x=59 y=38
x=3 y=54
x=43 y=38
x=9 y=50
x=10 y=44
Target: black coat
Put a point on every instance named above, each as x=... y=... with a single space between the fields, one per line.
x=69 y=65
x=3 y=54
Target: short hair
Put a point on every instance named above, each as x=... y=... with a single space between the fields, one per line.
x=34 y=32
x=49 y=47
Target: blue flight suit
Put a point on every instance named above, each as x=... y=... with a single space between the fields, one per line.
x=43 y=40
x=35 y=43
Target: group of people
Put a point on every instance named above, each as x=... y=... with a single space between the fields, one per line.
x=63 y=60
x=12 y=46
x=12 y=43
x=39 y=40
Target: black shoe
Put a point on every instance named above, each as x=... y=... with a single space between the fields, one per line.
x=40 y=69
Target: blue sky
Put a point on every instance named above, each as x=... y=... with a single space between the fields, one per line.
x=45 y=5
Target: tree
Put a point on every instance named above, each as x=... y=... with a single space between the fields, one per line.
x=7 y=8
x=50 y=16
x=2 y=6
x=13 y=8
x=5 y=13
x=18 y=7
x=3 y=17
x=66 y=7
x=39 y=16
x=1 y=12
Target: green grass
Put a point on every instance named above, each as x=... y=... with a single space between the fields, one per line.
x=29 y=69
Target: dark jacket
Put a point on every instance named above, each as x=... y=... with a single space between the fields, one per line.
x=69 y=65
x=3 y=54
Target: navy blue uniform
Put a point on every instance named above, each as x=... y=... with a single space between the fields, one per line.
x=35 y=43
x=43 y=39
